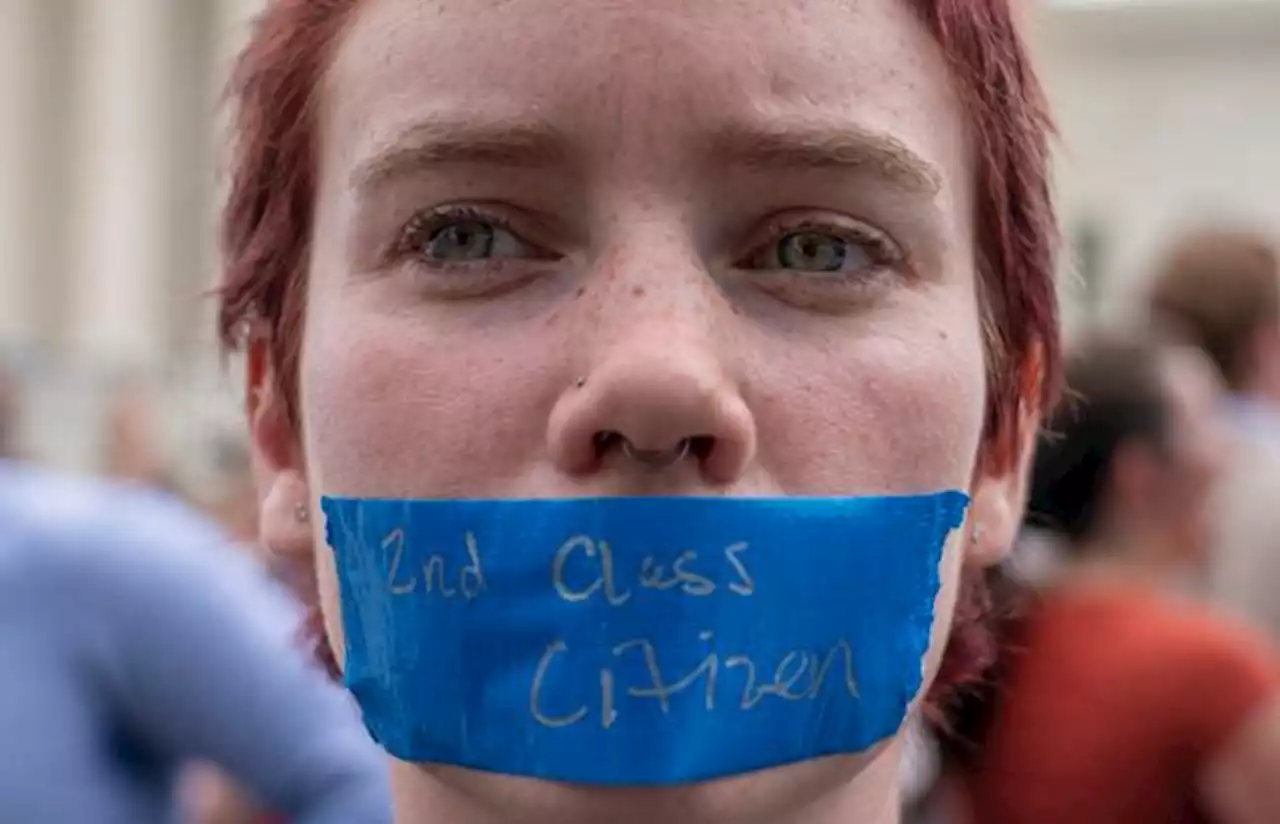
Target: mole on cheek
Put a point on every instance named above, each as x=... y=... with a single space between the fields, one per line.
x=637 y=291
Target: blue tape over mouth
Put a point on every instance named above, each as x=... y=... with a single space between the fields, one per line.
x=636 y=641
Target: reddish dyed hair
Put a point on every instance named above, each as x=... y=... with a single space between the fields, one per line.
x=267 y=221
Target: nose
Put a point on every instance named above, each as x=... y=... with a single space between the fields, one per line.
x=654 y=409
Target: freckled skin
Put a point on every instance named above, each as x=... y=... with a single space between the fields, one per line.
x=643 y=321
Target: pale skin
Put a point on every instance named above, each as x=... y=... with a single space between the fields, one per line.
x=739 y=221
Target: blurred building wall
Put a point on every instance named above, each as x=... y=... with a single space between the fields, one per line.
x=109 y=186
x=1170 y=115
x=108 y=195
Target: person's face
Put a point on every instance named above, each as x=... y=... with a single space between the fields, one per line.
x=1196 y=447
x=739 y=221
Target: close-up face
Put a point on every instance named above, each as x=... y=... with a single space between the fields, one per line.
x=658 y=220
x=728 y=222
x=546 y=238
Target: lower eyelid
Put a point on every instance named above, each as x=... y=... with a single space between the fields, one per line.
x=454 y=281
x=832 y=295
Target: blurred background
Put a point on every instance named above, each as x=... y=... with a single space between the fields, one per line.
x=109 y=189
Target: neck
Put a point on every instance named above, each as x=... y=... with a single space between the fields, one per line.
x=1123 y=559
x=1261 y=384
x=855 y=790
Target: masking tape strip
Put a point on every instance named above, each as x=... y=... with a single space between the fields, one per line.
x=636 y=641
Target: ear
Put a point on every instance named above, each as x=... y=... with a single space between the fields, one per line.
x=284 y=500
x=1000 y=497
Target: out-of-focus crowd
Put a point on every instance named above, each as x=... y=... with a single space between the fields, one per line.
x=1138 y=616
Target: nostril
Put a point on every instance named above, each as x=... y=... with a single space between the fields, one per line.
x=604 y=441
x=701 y=446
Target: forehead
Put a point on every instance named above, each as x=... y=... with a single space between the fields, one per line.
x=622 y=74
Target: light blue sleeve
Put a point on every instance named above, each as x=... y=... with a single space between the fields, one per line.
x=208 y=667
x=51 y=727
x=190 y=645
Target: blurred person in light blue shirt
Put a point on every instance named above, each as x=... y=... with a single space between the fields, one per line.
x=134 y=643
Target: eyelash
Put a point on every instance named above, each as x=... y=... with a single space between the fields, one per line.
x=423 y=225
x=882 y=251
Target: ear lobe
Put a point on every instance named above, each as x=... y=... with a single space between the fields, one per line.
x=286 y=529
x=286 y=533
x=999 y=499
x=993 y=523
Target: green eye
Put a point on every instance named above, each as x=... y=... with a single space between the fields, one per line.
x=817 y=252
x=460 y=236
x=464 y=252
x=462 y=241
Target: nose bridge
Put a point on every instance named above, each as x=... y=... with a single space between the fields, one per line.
x=663 y=327
x=661 y=353
x=656 y=373
x=653 y=304
x=648 y=239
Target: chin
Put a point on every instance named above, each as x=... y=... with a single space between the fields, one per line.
x=765 y=796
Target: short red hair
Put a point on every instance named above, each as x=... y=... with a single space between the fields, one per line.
x=267 y=221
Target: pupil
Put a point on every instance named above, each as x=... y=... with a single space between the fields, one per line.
x=814 y=252
x=463 y=241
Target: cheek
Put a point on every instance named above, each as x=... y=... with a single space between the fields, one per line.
x=327 y=590
x=392 y=409
x=886 y=414
x=945 y=605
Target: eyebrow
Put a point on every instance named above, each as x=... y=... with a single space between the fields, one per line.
x=537 y=144
x=803 y=147
x=511 y=144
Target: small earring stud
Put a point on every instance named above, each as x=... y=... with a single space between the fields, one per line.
x=301 y=512
x=580 y=382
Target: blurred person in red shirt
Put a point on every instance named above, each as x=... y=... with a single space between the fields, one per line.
x=1121 y=702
